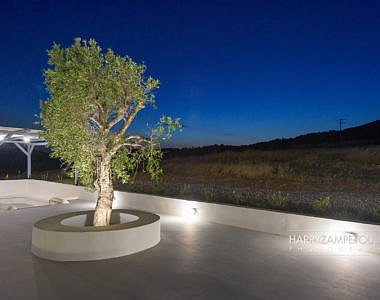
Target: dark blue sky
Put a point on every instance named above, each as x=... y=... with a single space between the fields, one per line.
x=236 y=72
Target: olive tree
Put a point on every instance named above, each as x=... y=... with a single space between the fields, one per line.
x=94 y=96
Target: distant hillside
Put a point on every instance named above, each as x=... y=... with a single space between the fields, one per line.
x=12 y=160
x=367 y=134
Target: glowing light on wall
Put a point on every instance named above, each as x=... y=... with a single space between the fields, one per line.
x=190 y=212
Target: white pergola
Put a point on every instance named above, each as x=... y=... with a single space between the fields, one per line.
x=25 y=139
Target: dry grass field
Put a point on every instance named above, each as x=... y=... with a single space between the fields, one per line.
x=356 y=169
x=339 y=183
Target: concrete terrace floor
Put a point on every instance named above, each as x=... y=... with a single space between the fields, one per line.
x=193 y=261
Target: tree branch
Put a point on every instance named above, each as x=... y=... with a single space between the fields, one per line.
x=133 y=140
x=121 y=113
x=120 y=116
x=129 y=119
x=92 y=119
x=101 y=110
x=138 y=137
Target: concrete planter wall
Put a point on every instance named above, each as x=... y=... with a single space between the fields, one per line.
x=255 y=219
x=70 y=237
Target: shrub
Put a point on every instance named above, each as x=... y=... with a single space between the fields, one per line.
x=279 y=200
x=185 y=190
x=239 y=198
x=45 y=176
x=322 y=205
x=343 y=215
x=158 y=189
x=376 y=211
x=209 y=194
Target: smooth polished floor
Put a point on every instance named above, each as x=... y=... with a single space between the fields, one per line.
x=194 y=260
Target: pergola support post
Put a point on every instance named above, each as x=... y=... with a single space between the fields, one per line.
x=76 y=179
x=28 y=152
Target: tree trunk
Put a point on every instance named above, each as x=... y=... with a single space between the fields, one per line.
x=104 y=187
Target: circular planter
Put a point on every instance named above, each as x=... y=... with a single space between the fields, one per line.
x=70 y=236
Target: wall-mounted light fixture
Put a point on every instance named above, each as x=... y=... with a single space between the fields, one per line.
x=189 y=212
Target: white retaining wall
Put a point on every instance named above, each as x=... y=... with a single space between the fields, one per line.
x=42 y=190
x=255 y=219
x=299 y=228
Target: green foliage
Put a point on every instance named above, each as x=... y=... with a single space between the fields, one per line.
x=376 y=211
x=158 y=188
x=6 y=177
x=209 y=193
x=185 y=190
x=45 y=176
x=59 y=178
x=322 y=205
x=125 y=164
x=278 y=200
x=344 y=214
x=93 y=98
x=239 y=198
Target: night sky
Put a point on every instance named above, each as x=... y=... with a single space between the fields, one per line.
x=236 y=72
